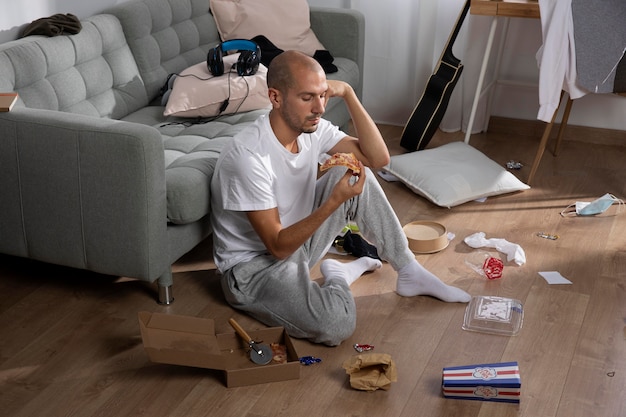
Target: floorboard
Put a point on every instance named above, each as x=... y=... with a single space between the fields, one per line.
x=70 y=342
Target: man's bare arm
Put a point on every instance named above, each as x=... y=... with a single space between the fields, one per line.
x=282 y=242
x=369 y=145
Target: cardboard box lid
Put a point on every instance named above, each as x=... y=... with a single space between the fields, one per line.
x=191 y=341
x=181 y=340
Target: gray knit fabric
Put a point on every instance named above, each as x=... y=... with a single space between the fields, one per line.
x=600 y=38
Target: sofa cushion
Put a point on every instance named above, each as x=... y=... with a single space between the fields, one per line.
x=191 y=150
x=166 y=36
x=91 y=73
x=197 y=93
x=286 y=23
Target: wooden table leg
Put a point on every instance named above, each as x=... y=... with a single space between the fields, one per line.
x=559 y=138
x=543 y=142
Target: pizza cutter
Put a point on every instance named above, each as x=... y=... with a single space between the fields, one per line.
x=260 y=354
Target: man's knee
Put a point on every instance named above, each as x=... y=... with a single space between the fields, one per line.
x=335 y=330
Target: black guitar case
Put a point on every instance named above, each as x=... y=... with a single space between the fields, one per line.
x=431 y=107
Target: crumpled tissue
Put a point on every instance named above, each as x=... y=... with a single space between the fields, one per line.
x=371 y=371
x=513 y=251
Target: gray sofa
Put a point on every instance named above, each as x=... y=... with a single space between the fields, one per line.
x=92 y=175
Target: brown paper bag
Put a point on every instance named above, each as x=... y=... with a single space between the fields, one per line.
x=371 y=371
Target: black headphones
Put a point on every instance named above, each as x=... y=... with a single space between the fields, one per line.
x=247 y=63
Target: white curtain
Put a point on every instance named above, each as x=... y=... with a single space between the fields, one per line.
x=404 y=41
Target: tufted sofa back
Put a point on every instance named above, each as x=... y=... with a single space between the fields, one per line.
x=166 y=36
x=91 y=73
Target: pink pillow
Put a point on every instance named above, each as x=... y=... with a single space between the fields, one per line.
x=285 y=23
x=200 y=94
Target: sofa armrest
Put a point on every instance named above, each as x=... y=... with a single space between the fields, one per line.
x=342 y=32
x=83 y=192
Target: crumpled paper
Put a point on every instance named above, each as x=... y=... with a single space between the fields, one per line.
x=371 y=371
x=513 y=251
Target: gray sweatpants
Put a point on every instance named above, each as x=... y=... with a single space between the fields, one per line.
x=281 y=292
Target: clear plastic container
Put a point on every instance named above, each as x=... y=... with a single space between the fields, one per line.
x=496 y=315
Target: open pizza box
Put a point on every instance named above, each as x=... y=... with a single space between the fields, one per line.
x=192 y=341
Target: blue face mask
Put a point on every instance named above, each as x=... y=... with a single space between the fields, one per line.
x=595 y=207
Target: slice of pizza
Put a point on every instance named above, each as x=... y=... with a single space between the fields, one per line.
x=342 y=159
x=279 y=353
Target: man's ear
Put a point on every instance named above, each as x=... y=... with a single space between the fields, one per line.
x=274 y=96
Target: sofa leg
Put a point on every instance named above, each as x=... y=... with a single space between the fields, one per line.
x=166 y=296
x=165 y=284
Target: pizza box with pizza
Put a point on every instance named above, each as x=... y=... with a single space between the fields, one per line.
x=192 y=341
x=499 y=382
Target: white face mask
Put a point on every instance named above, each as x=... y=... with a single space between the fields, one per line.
x=595 y=207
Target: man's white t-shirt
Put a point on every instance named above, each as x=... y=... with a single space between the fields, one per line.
x=255 y=172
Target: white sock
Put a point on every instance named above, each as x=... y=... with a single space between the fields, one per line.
x=349 y=271
x=414 y=279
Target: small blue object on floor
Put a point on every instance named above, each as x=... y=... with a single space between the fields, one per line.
x=309 y=360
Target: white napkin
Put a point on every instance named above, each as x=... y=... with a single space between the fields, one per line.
x=554 y=277
x=512 y=250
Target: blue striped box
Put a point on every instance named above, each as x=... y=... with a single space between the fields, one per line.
x=485 y=382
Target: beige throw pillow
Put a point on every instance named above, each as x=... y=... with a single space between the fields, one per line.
x=286 y=23
x=197 y=93
x=453 y=174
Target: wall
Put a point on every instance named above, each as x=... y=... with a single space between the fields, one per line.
x=392 y=95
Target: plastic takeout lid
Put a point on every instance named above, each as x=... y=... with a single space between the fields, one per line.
x=496 y=315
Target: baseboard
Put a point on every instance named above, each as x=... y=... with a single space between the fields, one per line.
x=535 y=128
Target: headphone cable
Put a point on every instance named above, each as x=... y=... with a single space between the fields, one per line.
x=223 y=106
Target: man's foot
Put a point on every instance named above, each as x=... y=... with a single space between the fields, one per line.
x=414 y=279
x=350 y=271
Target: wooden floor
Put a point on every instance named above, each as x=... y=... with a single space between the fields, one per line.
x=70 y=342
